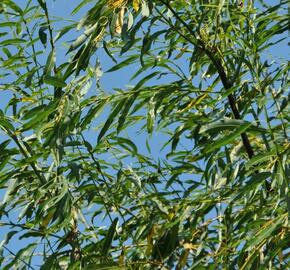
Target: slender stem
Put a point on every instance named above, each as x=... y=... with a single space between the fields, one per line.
x=57 y=90
x=25 y=154
x=50 y=33
x=32 y=46
x=283 y=125
x=227 y=83
x=14 y=255
x=25 y=227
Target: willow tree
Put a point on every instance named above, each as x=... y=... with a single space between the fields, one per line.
x=186 y=167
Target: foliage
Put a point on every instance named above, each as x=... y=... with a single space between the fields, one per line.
x=82 y=191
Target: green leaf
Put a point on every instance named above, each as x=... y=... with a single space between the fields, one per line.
x=30 y=77
x=149 y=39
x=5 y=123
x=31 y=234
x=226 y=139
x=264 y=157
x=27 y=249
x=93 y=112
x=124 y=63
x=104 y=266
x=37 y=115
x=8 y=24
x=4 y=144
x=49 y=263
x=166 y=244
x=13 y=6
x=105 y=46
x=255 y=181
x=43 y=35
x=109 y=238
x=151 y=116
x=54 y=81
x=128 y=104
x=265 y=232
x=229 y=124
x=123 y=142
x=50 y=62
x=42 y=3
x=13 y=41
x=38 y=110
x=144 y=80
x=79 y=6
x=110 y=119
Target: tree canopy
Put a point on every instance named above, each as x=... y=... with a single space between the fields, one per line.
x=185 y=166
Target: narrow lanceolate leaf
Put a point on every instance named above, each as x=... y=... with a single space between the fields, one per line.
x=105 y=46
x=230 y=124
x=104 y=266
x=151 y=115
x=54 y=81
x=264 y=157
x=109 y=238
x=42 y=35
x=125 y=63
x=8 y=24
x=14 y=41
x=265 y=232
x=42 y=3
x=13 y=6
x=92 y=113
x=127 y=144
x=144 y=80
x=5 y=123
x=254 y=182
x=37 y=115
x=125 y=111
x=111 y=119
x=50 y=62
x=226 y=139
x=29 y=78
x=166 y=244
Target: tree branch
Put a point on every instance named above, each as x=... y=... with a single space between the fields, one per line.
x=57 y=90
x=227 y=83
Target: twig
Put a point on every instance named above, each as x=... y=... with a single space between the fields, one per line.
x=18 y=258
x=221 y=71
x=57 y=90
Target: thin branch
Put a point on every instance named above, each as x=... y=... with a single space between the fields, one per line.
x=18 y=258
x=24 y=227
x=57 y=90
x=25 y=154
x=227 y=83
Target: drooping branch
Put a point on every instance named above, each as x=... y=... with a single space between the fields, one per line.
x=227 y=83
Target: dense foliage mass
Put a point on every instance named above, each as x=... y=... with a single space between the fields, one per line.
x=186 y=167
